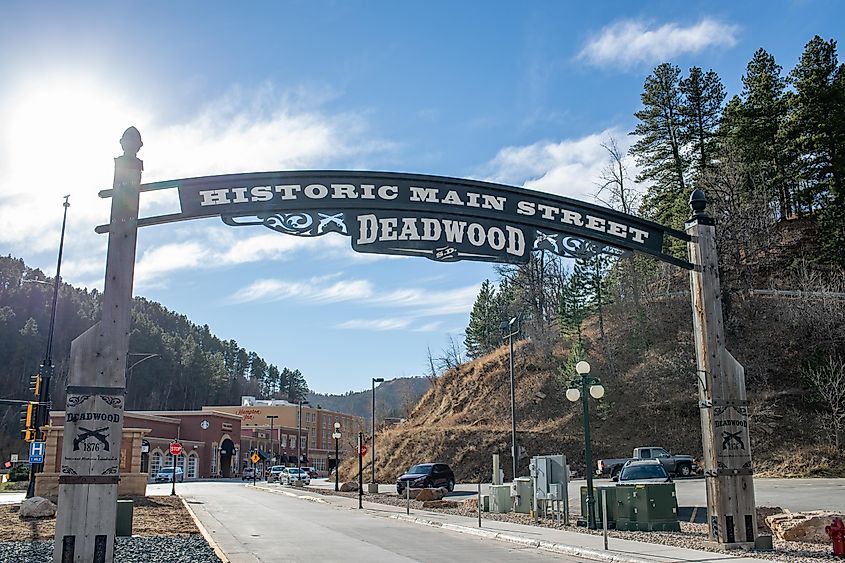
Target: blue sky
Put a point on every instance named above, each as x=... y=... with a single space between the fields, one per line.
x=522 y=93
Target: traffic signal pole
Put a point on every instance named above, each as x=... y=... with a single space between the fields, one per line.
x=45 y=372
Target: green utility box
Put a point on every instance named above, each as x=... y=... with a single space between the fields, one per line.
x=648 y=507
x=123 y=520
x=597 y=495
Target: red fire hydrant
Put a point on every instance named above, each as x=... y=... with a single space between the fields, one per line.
x=836 y=533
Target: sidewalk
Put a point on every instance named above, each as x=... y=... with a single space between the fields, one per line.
x=586 y=546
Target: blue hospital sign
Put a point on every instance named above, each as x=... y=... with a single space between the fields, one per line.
x=36 y=452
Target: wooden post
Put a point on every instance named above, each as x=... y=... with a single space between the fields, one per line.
x=728 y=471
x=90 y=464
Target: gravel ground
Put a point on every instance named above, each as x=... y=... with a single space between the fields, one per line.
x=149 y=549
x=692 y=536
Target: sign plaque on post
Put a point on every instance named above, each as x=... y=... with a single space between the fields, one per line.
x=93 y=427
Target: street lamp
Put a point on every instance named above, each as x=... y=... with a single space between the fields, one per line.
x=579 y=386
x=336 y=437
x=42 y=414
x=373 y=451
x=508 y=326
x=146 y=357
x=299 y=435
x=272 y=417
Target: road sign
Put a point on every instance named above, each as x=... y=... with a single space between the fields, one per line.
x=36 y=452
x=14 y=458
x=175 y=448
x=204 y=424
x=363 y=450
x=255 y=457
x=145 y=447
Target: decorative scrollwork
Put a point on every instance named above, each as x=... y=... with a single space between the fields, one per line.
x=299 y=223
x=76 y=400
x=572 y=247
x=68 y=470
x=289 y=223
x=111 y=470
x=113 y=401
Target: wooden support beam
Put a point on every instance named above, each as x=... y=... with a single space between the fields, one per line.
x=732 y=515
x=90 y=464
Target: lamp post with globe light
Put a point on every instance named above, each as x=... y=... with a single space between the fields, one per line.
x=579 y=386
x=336 y=437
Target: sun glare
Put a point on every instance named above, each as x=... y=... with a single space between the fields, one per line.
x=64 y=126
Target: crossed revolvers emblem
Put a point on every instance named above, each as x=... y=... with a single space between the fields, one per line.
x=732 y=441
x=99 y=434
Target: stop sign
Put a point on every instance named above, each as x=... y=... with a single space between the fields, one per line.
x=363 y=450
x=175 y=448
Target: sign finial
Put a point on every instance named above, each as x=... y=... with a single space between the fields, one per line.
x=698 y=204
x=131 y=142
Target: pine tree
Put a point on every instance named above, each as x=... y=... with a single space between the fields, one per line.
x=482 y=333
x=575 y=303
x=760 y=133
x=700 y=114
x=659 y=150
x=819 y=119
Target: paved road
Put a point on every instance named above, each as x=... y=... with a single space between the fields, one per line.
x=792 y=494
x=256 y=526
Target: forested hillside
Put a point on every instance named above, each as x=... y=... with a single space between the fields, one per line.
x=394 y=398
x=173 y=363
x=771 y=162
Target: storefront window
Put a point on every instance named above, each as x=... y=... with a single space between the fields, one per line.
x=191 y=472
x=155 y=462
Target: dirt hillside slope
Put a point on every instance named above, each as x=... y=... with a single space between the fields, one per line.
x=646 y=363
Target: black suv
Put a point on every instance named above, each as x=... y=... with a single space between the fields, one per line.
x=426 y=475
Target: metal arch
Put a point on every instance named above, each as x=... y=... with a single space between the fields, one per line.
x=354 y=203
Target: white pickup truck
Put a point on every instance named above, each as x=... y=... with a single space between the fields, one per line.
x=683 y=465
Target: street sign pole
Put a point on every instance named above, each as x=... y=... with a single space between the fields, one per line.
x=360 y=470
x=175 y=451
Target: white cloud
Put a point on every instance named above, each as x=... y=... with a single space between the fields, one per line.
x=310 y=291
x=630 y=42
x=571 y=167
x=413 y=302
x=60 y=133
x=374 y=324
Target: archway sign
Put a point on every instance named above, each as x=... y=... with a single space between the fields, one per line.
x=443 y=219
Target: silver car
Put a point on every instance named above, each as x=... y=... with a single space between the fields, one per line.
x=166 y=474
x=291 y=474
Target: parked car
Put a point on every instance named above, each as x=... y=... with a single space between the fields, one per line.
x=274 y=473
x=638 y=472
x=291 y=474
x=166 y=474
x=312 y=472
x=248 y=473
x=682 y=465
x=426 y=475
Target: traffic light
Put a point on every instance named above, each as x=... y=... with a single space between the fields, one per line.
x=28 y=421
x=35 y=384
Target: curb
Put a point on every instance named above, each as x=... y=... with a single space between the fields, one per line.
x=217 y=551
x=553 y=547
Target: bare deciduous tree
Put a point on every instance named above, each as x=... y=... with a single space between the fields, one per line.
x=828 y=384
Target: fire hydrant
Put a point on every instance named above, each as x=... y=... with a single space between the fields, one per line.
x=836 y=533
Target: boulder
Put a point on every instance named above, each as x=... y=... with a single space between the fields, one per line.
x=805 y=527
x=349 y=487
x=432 y=494
x=764 y=512
x=37 y=507
x=440 y=504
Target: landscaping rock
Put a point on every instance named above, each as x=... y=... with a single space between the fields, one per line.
x=349 y=487
x=431 y=494
x=440 y=504
x=764 y=512
x=805 y=527
x=37 y=507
